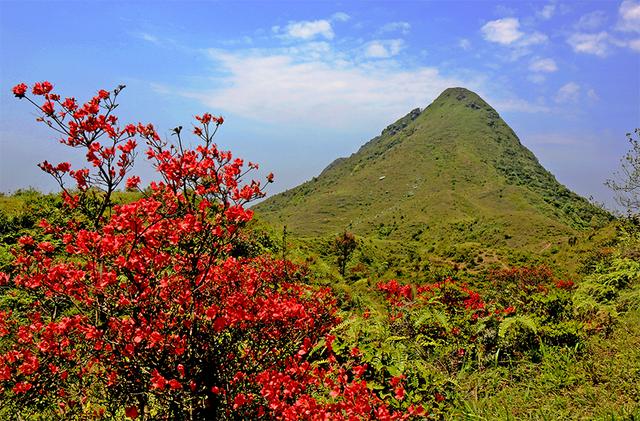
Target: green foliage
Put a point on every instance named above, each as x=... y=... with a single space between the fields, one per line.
x=518 y=336
x=20 y=214
x=343 y=247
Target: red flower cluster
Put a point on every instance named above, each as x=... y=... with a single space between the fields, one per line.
x=396 y=293
x=568 y=285
x=92 y=127
x=399 y=295
x=145 y=302
x=20 y=90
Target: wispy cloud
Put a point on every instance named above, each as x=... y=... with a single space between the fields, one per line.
x=569 y=92
x=465 y=44
x=340 y=17
x=279 y=88
x=592 y=21
x=307 y=30
x=147 y=37
x=506 y=32
x=403 y=27
x=537 y=78
x=547 y=11
x=629 y=16
x=344 y=85
x=596 y=44
x=543 y=65
x=295 y=86
x=603 y=42
x=383 y=48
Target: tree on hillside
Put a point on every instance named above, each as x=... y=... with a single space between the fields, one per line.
x=344 y=245
x=627 y=181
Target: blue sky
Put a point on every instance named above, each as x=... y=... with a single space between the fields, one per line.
x=301 y=83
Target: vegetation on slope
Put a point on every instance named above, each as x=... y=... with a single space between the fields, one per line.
x=451 y=174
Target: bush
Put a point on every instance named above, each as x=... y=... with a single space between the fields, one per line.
x=147 y=309
x=518 y=336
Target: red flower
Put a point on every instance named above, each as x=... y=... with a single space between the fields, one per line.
x=131 y=412
x=42 y=88
x=359 y=370
x=132 y=182
x=396 y=380
x=239 y=400
x=47 y=108
x=564 y=284
x=174 y=384
x=19 y=90
x=63 y=167
x=21 y=387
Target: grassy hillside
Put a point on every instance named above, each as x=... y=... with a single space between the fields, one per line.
x=453 y=173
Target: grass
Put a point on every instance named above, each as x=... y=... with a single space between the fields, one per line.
x=600 y=381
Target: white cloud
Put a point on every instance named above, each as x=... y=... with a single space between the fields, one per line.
x=308 y=29
x=403 y=27
x=532 y=39
x=383 y=48
x=548 y=11
x=340 y=17
x=148 y=37
x=569 y=92
x=629 y=16
x=543 y=65
x=465 y=44
x=596 y=44
x=315 y=50
x=503 y=31
x=506 y=32
x=635 y=45
x=537 y=78
x=308 y=85
x=280 y=88
x=592 y=21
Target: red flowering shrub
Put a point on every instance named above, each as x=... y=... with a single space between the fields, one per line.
x=142 y=310
x=549 y=302
x=413 y=331
x=525 y=286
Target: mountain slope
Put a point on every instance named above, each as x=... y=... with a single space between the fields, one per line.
x=453 y=172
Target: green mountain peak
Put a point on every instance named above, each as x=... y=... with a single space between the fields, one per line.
x=454 y=171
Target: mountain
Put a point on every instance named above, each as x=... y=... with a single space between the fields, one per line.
x=453 y=172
